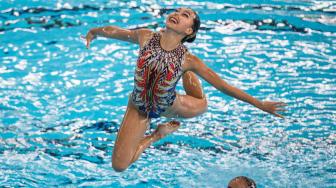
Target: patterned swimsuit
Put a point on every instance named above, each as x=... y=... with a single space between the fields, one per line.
x=156 y=75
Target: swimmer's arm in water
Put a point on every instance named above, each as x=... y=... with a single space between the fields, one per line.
x=129 y=35
x=196 y=65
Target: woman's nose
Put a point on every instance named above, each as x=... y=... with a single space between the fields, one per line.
x=174 y=13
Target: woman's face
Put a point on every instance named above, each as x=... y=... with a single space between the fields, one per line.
x=181 y=21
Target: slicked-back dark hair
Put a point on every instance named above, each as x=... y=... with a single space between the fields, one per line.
x=249 y=182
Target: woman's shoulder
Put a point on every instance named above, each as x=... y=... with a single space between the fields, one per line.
x=191 y=57
x=190 y=61
x=144 y=31
x=144 y=35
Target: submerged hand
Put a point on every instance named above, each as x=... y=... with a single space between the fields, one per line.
x=89 y=37
x=273 y=107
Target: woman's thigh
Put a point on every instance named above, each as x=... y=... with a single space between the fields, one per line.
x=186 y=106
x=193 y=103
x=131 y=132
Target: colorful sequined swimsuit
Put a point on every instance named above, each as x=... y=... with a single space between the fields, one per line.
x=156 y=75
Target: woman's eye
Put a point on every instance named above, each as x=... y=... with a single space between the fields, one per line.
x=185 y=15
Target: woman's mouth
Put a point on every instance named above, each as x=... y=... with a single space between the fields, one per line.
x=174 y=20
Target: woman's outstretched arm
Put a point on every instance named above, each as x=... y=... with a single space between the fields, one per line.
x=133 y=36
x=196 y=65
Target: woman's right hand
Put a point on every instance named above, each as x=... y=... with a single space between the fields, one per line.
x=89 y=37
x=273 y=107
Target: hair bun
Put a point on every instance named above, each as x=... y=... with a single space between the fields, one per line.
x=191 y=39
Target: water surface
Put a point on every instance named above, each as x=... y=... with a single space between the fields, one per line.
x=61 y=104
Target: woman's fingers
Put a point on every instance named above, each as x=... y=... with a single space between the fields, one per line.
x=88 y=38
x=280 y=104
x=87 y=41
x=87 y=44
x=278 y=115
x=274 y=107
x=280 y=107
x=280 y=110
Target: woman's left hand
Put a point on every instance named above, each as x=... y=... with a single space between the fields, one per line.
x=89 y=37
x=273 y=107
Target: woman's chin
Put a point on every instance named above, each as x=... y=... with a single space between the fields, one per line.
x=170 y=26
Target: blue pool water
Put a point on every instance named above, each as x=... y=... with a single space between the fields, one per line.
x=61 y=104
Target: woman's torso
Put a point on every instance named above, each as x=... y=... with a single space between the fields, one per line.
x=156 y=75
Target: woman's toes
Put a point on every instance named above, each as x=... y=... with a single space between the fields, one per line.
x=167 y=128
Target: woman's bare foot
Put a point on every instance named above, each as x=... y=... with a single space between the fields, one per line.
x=163 y=129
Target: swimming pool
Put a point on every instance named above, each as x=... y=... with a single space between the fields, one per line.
x=61 y=104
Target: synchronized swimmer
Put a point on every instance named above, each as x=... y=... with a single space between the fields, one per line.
x=163 y=60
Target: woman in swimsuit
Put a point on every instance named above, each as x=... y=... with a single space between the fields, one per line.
x=162 y=61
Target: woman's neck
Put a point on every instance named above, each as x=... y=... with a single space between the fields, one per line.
x=170 y=39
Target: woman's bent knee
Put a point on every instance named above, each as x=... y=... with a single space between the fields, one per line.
x=205 y=104
x=119 y=168
x=119 y=165
x=201 y=107
x=121 y=160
